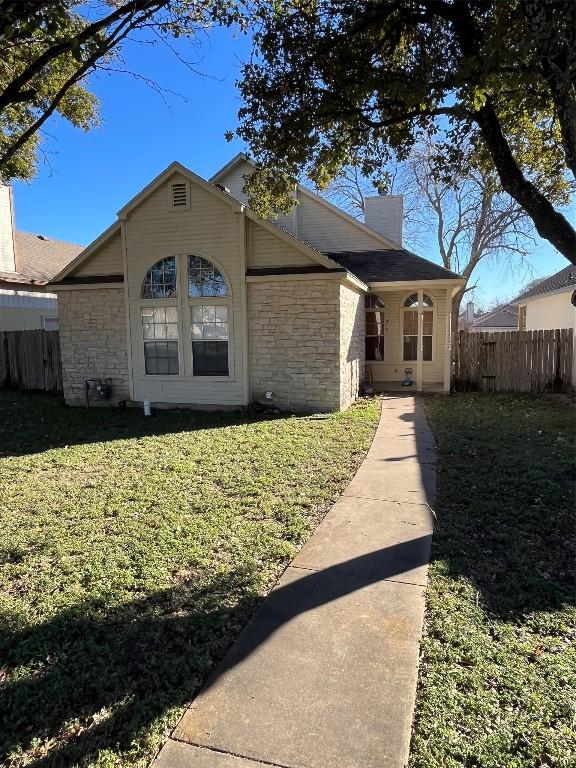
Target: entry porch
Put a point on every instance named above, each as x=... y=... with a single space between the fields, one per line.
x=408 y=336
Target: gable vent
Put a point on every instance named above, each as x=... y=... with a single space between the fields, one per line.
x=179 y=195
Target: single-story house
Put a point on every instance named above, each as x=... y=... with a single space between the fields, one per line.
x=189 y=298
x=497 y=320
x=27 y=264
x=549 y=304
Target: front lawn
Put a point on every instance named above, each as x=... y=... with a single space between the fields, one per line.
x=498 y=676
x=132 y=552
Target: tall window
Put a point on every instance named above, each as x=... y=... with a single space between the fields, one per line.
x=209 y=328
x=410 y=328
x=375 y=328
x=209 y=332
x=205 y=322
x=160 y=335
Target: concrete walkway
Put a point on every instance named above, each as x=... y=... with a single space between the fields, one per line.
x=324 y=675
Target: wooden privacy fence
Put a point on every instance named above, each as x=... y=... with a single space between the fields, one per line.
x=517 y=361
x=30 y=360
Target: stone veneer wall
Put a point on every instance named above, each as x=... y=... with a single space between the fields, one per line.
x=294 y=349
x=352 y=344
x=93 y=341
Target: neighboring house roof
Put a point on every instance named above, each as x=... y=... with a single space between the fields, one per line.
x=39 y=259
x=502 y=317
x=565 y=279
x=388 y=266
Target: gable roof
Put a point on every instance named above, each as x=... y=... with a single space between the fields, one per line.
x=565 y=279
x=176 y=167
x=39 y=259
x=388 y=266
x=241 y=157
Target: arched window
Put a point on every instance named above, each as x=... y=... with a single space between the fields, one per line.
x=209 y=321
x=410 y=327
x=412 y=301
x=204 y=279
x=375 y=327
x=160 y=280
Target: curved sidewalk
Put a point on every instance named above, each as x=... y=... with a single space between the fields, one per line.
x=324 y=674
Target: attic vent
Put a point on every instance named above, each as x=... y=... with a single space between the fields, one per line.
x=179 y=195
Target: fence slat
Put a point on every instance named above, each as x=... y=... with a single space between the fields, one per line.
x=520 y=361
x=30 y=360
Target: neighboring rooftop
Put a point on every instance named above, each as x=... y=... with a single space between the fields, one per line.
x=39 y=259
x=566 y=278
x=505 y=316
x=391 y=266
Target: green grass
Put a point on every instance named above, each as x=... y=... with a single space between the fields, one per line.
x=498 y=676
x=132 y=552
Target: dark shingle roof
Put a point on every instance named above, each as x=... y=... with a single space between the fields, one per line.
x=390 y=266
x=566 y=278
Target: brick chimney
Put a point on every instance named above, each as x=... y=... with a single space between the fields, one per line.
x=7 y=255
x=385 y=214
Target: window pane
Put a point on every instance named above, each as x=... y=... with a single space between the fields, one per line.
x=210 y=331
x=374 y=348
x=172 y=331
x=221 y=314
x=427 y=348
x=410 y=323
x=412 y=300
x=160 y=331
x=427 y=323
x=160 y=280
x=171 y=315
x=209 y=314
x=427 y=301
x=410 y=347
x=373 y=301
x=222 y=331
x=148 y=330
x=204 y=279
x=161 y=357
x=210 y=358
x=375 y=323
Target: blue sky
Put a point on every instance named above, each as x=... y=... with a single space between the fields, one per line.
x=89 y=176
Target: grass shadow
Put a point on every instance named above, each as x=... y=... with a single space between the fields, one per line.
x=45 y=422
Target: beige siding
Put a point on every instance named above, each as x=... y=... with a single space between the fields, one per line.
x=93 y=341
x=392 y=369
x=550 y=311
x=268 y=250
x=234 y=181
x=107 y=260
x=326 y=230
x=211 y=229
x=352 y=334
x=294 y=349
